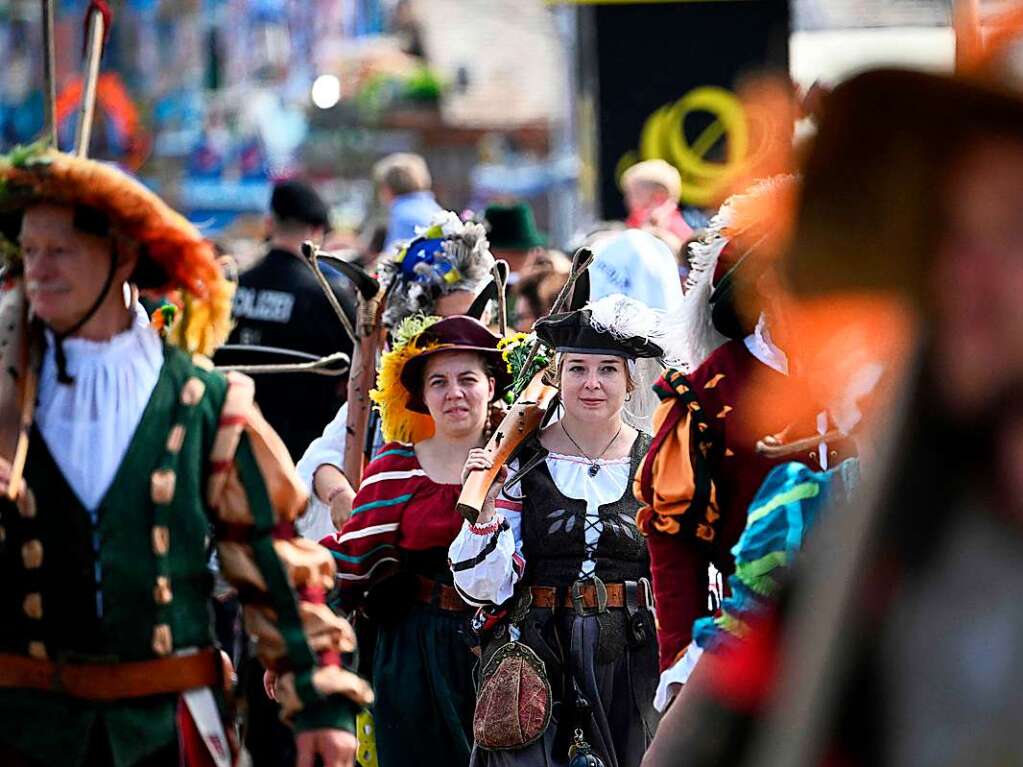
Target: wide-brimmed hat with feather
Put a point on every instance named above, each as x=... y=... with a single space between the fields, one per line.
x=743 y=238
x=173 y=254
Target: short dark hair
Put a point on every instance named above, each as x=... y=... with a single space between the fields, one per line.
x=297 y=202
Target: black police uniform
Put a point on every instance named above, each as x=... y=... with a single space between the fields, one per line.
x=280 y=304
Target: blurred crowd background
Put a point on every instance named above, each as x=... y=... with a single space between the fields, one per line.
x=212 y=101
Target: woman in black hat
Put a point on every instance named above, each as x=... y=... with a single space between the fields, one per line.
x=559 y=550
x=434 y=391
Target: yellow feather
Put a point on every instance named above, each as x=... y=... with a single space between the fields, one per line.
x=398 y=423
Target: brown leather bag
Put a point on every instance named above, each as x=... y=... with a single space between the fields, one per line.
x=513 y=707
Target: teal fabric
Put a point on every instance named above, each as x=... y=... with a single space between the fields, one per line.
x=425 y=698
x=787 y=505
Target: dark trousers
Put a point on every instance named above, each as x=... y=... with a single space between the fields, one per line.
x=268 y=740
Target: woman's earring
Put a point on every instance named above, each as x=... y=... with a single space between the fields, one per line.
x=628 y=397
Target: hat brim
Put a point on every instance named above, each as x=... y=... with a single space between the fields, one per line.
x=412 y=373
x=570 y=332
x=529 y=242
x=170 y=240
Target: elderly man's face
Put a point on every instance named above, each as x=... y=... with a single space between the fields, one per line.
x=64 y=268
x=978 y=282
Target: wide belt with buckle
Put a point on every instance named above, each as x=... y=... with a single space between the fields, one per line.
x=593 y=596
x=440 y=595
x=112 y=681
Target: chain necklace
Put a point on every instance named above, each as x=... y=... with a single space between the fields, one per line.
x=594 y=466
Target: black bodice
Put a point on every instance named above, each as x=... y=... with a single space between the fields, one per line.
x=554 y=530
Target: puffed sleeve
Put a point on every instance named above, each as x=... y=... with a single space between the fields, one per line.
x=255 y=497
x=327 y=449
x=486 y=560
x=665 y=485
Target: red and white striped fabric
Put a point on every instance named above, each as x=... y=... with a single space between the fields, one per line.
x=397 y=507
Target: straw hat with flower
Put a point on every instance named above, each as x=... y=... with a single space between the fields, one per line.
x=398 y=394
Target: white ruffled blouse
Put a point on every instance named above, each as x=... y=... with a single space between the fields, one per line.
x=493 y=580
x=88 y=425
x=327 y=449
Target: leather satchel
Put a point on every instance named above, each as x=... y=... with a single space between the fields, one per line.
x=513 y=707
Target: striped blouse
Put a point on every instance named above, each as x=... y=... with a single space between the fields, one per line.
x=397 y=509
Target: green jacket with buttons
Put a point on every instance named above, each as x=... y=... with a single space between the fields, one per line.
x=131 y=581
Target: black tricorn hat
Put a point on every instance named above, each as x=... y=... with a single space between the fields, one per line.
x=574 y=332
x=453 y=334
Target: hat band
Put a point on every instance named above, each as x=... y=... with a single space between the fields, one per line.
x=589 y=350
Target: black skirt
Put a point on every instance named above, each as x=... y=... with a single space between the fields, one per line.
x=600 y=659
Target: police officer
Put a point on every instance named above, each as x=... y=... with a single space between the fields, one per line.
x=280 y=304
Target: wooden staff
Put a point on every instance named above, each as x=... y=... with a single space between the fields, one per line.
x=49 y=74
x=19 y=382
x=362 y=374
x=94 y=52
x=772 y=448
x=580 y=263
x=361 y=379
x=312 y=256
x=500 y=272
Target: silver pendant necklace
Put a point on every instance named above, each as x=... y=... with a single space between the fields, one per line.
x=594 y=466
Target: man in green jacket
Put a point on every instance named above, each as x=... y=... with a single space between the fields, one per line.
x=122 y=455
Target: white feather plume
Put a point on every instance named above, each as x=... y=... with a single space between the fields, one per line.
x=622 y=318
x=690 y=335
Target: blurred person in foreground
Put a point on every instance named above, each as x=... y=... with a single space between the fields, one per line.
x=404 y=187
x=280 y=305
x=703 y=468
x=137 y=455
x=918 y=662
x=653 y=189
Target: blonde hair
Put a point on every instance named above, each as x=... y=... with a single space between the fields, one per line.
x=640 y=375
x=655 y=172
x=402 y=173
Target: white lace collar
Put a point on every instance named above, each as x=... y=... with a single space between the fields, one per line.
x=88 y=424
x=764 y=349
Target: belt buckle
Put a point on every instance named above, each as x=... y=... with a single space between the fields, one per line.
x=578 y=603
x=520 y=609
